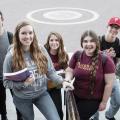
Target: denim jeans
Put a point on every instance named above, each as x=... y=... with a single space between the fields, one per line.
x=19 y=116
x=114 y=101
x=43 y=102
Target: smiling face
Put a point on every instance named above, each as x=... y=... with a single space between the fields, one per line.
x=89 y=45
x=111 y=33
x=26 y=35
x=54 y=43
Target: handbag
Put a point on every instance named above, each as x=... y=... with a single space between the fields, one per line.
x=71 y=107
x=51 y=84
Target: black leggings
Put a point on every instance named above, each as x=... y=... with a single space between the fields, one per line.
x=57 y=99
x=86 y=108
x=2 y=99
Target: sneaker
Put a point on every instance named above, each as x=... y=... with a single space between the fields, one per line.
x=110 y=118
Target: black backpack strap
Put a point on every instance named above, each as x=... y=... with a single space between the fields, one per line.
x=10 y=37
x=78 y=55
x=104 y=58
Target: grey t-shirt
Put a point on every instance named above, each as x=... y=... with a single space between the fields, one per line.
x=40 y=84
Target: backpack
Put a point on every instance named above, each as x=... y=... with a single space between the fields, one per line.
x=10 y=37
x=104 y=57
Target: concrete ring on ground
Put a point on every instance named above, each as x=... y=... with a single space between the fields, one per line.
x=62 y=16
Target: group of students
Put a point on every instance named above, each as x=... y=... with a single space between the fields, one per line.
x=93 y=68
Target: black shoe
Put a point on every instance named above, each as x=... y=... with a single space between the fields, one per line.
x=4 y=117
x=110 y=118
x=19 y=118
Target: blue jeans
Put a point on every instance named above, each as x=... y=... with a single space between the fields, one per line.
x=43 y=102
x=115 y=100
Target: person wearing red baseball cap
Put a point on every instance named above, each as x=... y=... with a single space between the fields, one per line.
x=114 y=43
x=110 y=44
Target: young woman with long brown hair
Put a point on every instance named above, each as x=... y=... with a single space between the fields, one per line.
x=56 y=50
x=26 y=52
x=93 y=80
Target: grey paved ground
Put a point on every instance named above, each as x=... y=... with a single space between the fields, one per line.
x=16 y=10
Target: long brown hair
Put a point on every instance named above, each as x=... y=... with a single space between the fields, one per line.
x=62 y=55
x=37 y=56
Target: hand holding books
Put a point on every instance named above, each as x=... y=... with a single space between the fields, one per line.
x=29 y=80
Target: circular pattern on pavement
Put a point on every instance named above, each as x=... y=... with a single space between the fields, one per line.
x=62 y=16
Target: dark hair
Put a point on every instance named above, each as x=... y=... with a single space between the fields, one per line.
x=95 y=38
x=1 y=15
x=115 y=26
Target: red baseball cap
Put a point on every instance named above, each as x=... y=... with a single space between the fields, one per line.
x=114 y=21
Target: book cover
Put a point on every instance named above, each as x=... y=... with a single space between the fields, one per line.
x=18 y=76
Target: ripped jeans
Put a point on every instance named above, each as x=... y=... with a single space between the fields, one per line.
x=114 y=102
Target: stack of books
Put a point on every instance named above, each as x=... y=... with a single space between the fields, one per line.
x=18 y=76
